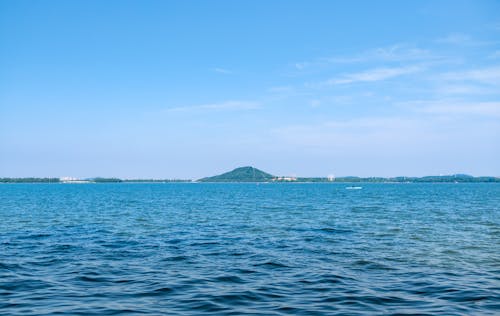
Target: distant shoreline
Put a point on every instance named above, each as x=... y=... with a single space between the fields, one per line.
x=250 y=174
x=427 y=179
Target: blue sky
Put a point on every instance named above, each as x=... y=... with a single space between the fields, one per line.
x=186 y=89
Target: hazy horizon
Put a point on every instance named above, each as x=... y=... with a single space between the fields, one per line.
x=267 y=171
x=187 y=90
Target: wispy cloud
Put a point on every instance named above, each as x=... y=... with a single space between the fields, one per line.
x=455 y=108
x=372 y=75
x=302 y=65
x=477 y=83
x=461 y=89
x=393 y=53
x=222 y=106
x=490 y=109
x=460 y=39
x=364 y=132
x=222 y=71
x=487 y=75
x=397 y=52
x=280 y=89
x=455 y=38
x=495 y=55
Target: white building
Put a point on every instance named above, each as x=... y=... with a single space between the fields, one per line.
x=72 y=180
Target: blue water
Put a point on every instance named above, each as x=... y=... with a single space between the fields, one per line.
x=232 y=249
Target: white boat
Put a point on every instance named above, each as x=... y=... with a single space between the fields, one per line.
x=353 y=188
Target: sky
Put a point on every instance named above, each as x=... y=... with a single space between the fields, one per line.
x=187 y=89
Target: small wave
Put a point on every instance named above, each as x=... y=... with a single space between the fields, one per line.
x=24 y=285
x=176 y=258
x=48 y=262
x=174 y=241
x=9 y=266
x=228 y=279
x=204 y=243
x=372 y=265
x=196 y=305
x=330 y=230
x=34 y=236
x=158 y=292
x=89 y=279
x=238 y=299
x=245 y=271
x=271 y=265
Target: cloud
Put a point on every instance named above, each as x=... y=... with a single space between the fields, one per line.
x=495 y=54
x=397 y=52
x=455 y=38
x=393 y=53
x=372 y=75
x=396 y=135
x=281 y=89
x=302 y=65
x=455 y=108
x=222 y=106
x=222 y=71
x=487 y=75
x=463 y=40
x=490 y=109
x=462 y=89
x=480 y=82
x=368 y=133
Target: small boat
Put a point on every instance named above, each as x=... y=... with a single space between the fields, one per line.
x=353 y=188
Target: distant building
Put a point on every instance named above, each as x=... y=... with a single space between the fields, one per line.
x=72 y=180
x=285 y=179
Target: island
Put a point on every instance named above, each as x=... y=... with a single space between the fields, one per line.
x=241 y=174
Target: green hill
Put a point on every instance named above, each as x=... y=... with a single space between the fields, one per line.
x=242 y=174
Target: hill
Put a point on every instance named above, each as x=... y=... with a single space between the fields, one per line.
x=242 y=174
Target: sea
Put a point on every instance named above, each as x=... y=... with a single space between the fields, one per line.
x=250 y=249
